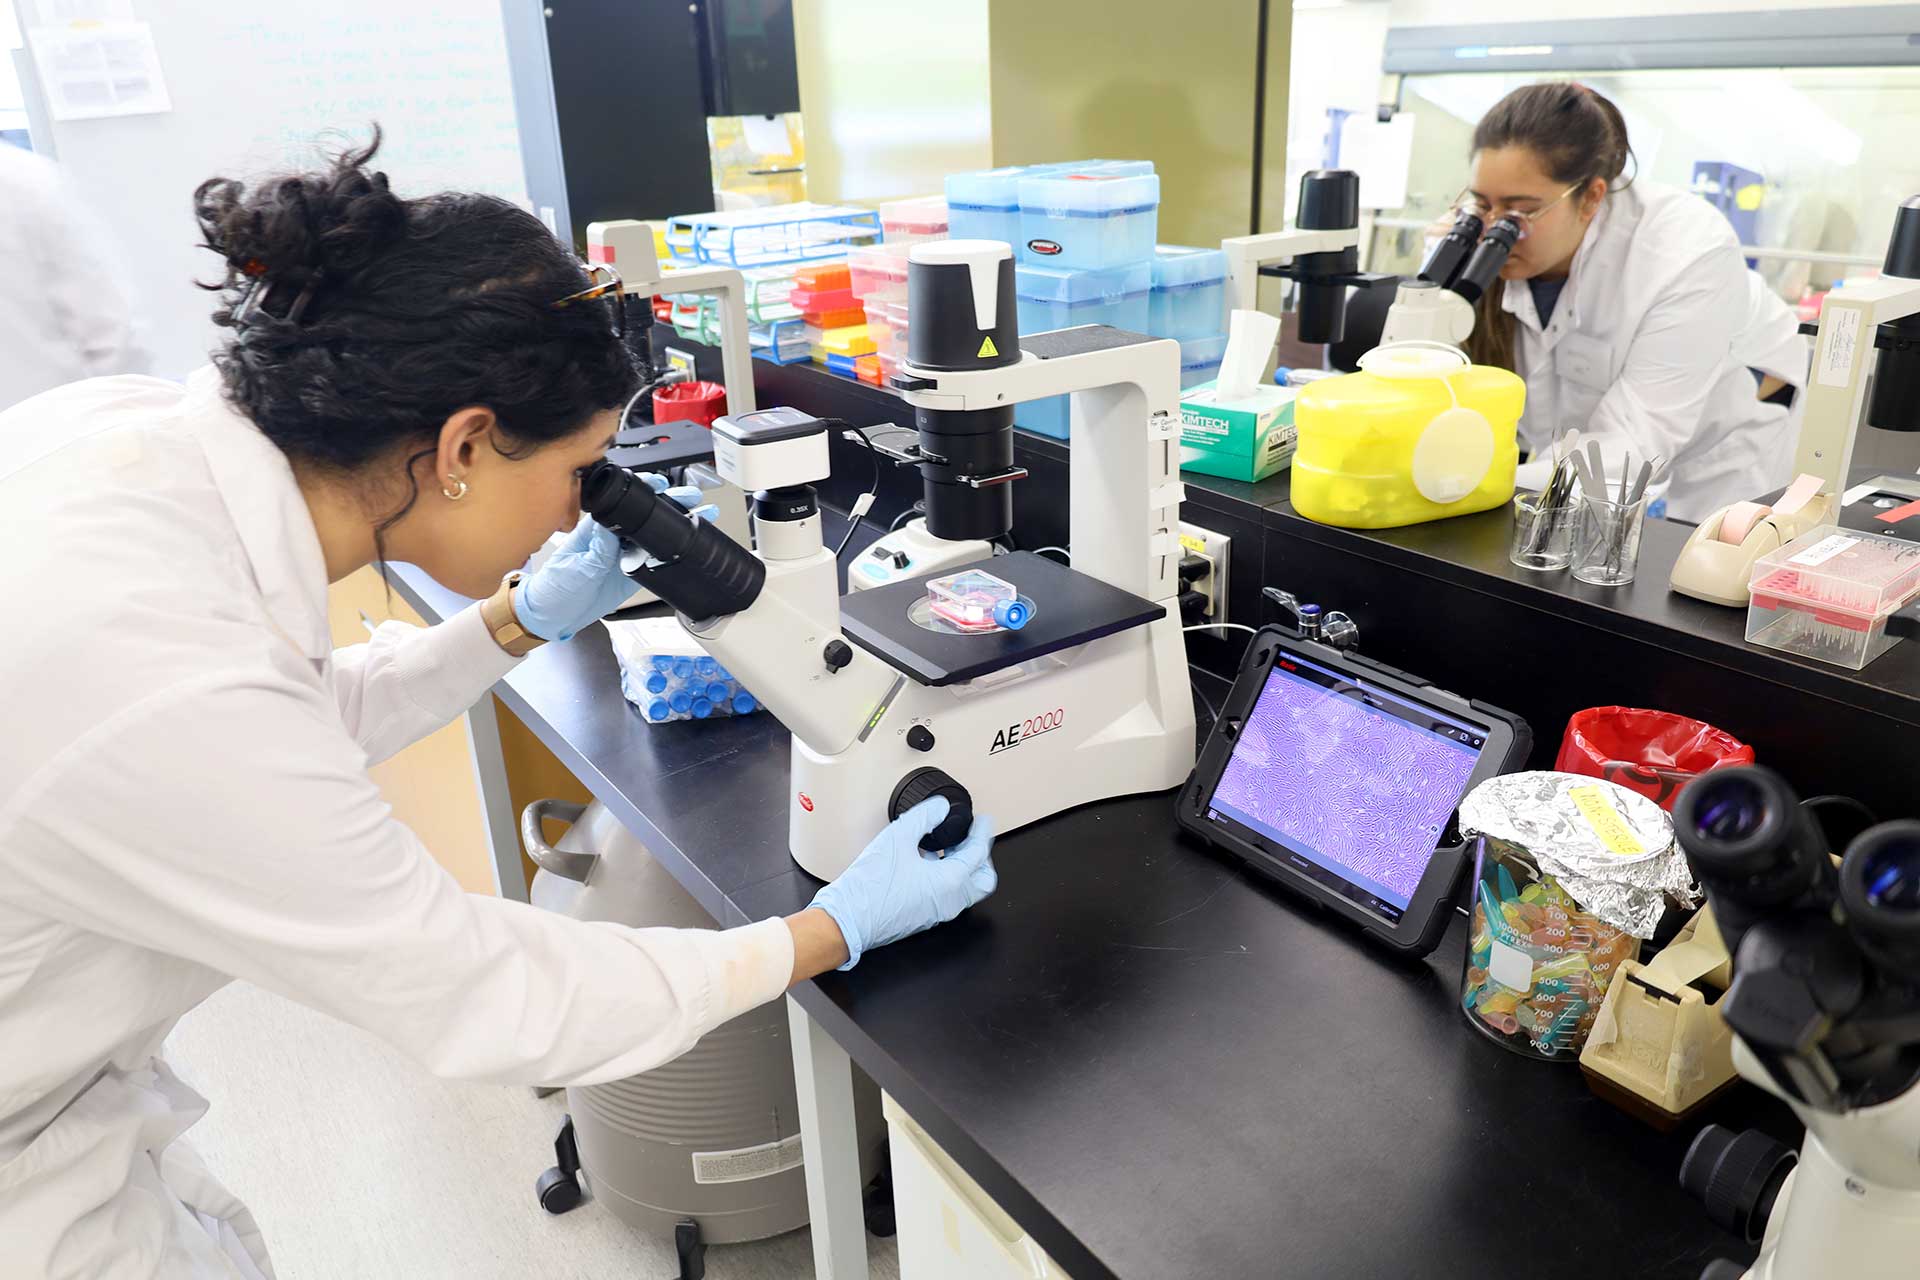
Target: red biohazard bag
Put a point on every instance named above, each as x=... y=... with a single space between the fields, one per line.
x=1652 y=752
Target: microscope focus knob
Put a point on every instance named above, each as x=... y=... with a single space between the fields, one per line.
x=924 y=784
x=837 y=654
x=1738 y=1176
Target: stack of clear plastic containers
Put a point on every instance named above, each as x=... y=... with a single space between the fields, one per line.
x=770 y=236
x=1088 y=220
x=908 y=222
x=887 y=327
x=1049 y=298
x=878 y=271
x=985 y=204
x=1200 y=360
x=1189 y=293
x=1831 y=593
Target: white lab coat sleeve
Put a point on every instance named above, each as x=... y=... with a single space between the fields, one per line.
x=1656 y=405
x=407 y=681
x=84 y=299
x=228 y=821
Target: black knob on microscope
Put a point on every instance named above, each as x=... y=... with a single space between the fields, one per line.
x=920 y=738
x=924 y=784
x=1737 y=1176
x=837 y=654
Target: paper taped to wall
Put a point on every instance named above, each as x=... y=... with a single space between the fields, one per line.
x=95 y=71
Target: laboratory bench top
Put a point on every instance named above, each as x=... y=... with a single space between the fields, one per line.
x=1466 y=555
x=1158 y=1064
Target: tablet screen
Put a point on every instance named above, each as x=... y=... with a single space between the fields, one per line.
x=1347 y=783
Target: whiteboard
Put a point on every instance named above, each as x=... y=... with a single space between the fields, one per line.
x=252 y=88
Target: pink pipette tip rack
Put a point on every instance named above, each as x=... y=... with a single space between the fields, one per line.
x=1828 y=595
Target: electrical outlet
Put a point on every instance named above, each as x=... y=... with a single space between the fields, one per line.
x=1213 y=548
x=678 y=359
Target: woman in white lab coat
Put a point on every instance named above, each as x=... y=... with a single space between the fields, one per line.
x=1628 y=309
x=183 y=788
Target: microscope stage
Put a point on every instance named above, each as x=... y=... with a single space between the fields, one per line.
x=1069 y=608
x=650 y=447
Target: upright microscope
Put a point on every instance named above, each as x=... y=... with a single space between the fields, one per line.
x=1825 y=1008
x=887 y=703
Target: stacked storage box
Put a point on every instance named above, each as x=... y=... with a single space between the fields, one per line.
x=878 y=280
x=909 y=222
x=1083 y=237
x=1189 y=305
x=836 y=325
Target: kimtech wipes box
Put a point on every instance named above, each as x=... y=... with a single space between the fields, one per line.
x=1248 y=438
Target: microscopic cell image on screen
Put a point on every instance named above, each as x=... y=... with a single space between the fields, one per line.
x=1355 y=780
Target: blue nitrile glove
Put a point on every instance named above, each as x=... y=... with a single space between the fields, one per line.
x=894 y=889
x=579 y=584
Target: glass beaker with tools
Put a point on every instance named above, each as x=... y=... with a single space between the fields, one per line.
x=1606 y=540
x=1543 y=522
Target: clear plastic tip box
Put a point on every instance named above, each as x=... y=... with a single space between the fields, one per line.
x=1830 y=593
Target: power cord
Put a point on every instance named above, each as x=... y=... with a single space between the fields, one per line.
x=1222 y=626
x=668 y=378
x=1213 y=712
x=1065 y=555
x=864 y=503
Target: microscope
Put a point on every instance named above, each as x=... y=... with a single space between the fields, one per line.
x=887 y=704
x=1320 y=253
x=1437 y=305
x=1825 y=1010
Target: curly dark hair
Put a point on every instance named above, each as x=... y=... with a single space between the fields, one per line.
x=362 y=321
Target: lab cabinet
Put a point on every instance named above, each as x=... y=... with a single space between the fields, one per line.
x=946 y=1226
x=431 y=784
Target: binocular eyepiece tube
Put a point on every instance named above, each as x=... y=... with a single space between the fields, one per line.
x=700 y=571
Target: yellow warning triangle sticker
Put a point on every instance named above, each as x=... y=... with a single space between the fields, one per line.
x=987 y=348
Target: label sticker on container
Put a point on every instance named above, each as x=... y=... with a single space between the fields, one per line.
x=987 y=348
x=1605 y=820
x=1836 y=353
x=743 y=1164
x=1824 y=550
x=1510 y=967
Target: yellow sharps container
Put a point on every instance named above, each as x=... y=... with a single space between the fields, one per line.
x=1418 y=434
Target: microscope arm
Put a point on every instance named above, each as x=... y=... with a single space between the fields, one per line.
x=1425 y=312
x=787 y=649
x=775 y=624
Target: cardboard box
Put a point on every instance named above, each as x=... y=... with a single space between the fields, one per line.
x=1246 y=439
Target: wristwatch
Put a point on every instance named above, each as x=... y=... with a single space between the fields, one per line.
x=496 y=611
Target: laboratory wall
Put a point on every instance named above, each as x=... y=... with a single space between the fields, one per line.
x=250 y=89
x=1069 y=80
x=892 y=104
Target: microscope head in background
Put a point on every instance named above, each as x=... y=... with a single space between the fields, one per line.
x=1826 y=964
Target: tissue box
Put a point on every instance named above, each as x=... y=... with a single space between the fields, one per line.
x=1246 y=439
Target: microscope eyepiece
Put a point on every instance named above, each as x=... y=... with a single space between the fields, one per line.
x=699 y=570
x=1444 y=263
x=1488 y=257
x=1748 y=839
x=1880 y=889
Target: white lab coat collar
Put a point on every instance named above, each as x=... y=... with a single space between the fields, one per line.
x=1518 y=301
x=269 y=513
